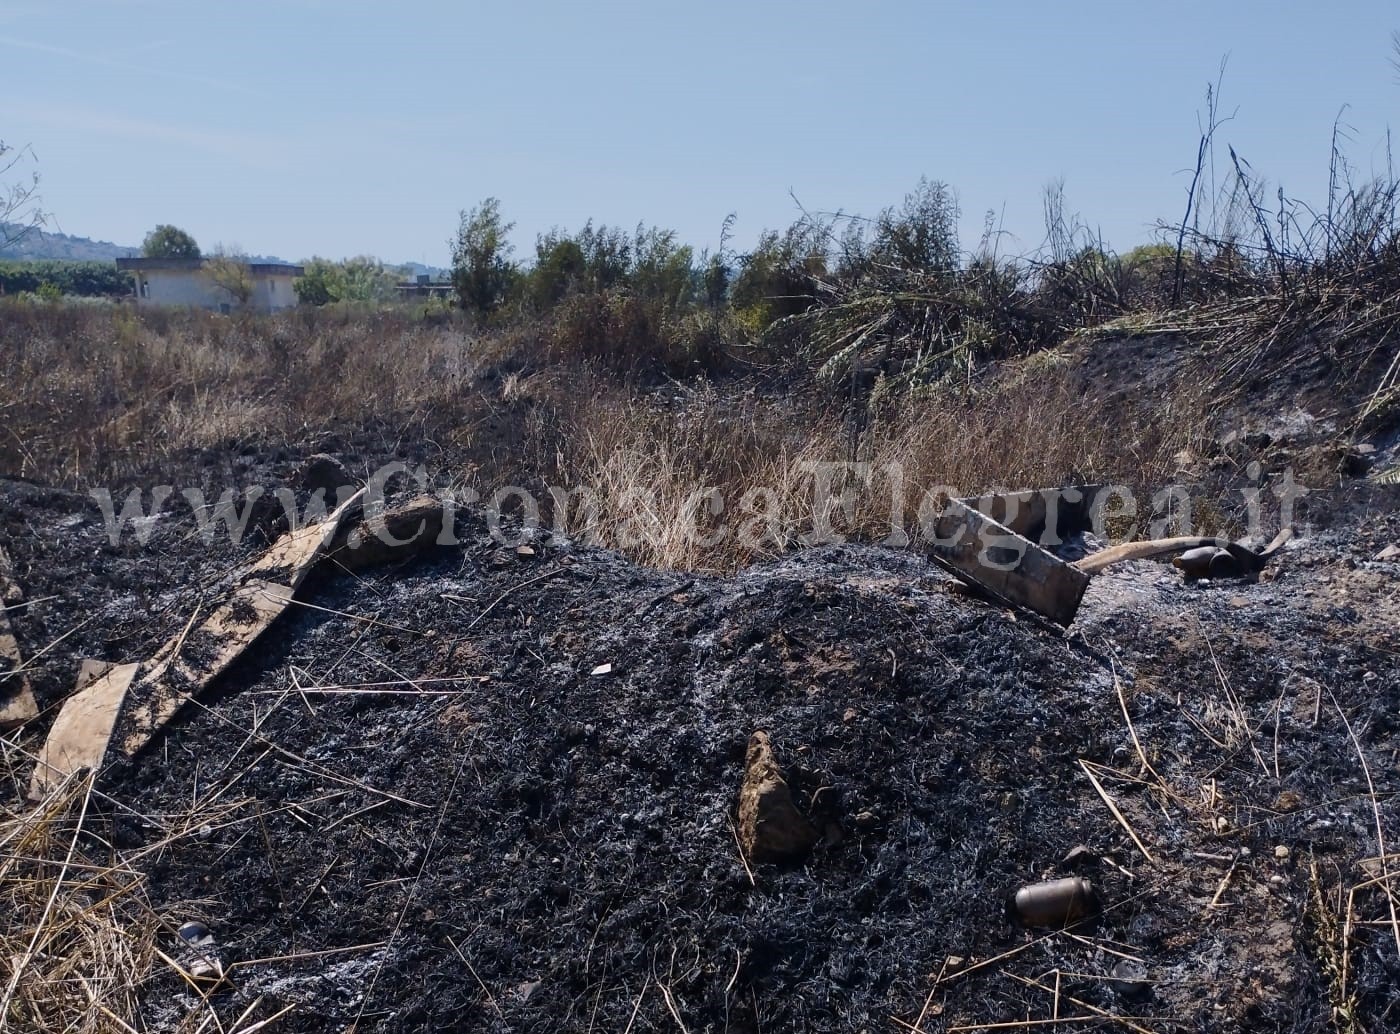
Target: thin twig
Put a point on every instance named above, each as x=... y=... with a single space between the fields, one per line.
x=637 y=1007
x=1376 y=812
x=742 y=860
x=1116 y=813
x=1123 y=703
x=472 y=970
x=1125 y=1020
x=511 y=591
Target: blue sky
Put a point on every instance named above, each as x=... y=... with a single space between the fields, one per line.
x=337 y=128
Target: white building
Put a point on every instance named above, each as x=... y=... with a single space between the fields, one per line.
x=195 y=283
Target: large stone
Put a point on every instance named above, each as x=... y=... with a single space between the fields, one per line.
x=325 y=473
x=396 y=534
x=771 y=829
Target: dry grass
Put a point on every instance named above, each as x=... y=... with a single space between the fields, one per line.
x=714 y=481
x=92 y=393
x=704 y=473
x=83 y=947
x=76 y=935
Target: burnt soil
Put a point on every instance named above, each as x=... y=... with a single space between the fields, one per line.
x=487 y=789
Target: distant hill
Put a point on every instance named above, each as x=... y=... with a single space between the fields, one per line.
x=37 y=244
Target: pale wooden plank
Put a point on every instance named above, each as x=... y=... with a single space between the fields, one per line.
x=294 y=555
x=10 y=592
x=83 y=728
x=17 y=704
x=186 y=665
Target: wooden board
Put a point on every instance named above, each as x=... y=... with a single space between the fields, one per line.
x=294 y=555
x=17 y=704
x=188 y=663
x=1030 y=514
x=1008 y=565
x=81 y=732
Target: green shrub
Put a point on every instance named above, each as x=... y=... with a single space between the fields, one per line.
x=775 y=279
x=482 y=273
x=363 y=279
x=87 y=279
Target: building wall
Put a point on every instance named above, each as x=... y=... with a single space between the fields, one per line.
x=271 y=293
x=179 y=287
x=194 y=288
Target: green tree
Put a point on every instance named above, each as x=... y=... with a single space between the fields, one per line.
x=921 y=235
x=598 y=259
x=228 y=269
x=170 y=242
x=560 y=265
x=364 y=279
x=317 y=284
x=482 y=273
x=89 y=279
x=776 y=278
x=714 y=278
x=361 y=279
x=661 y=268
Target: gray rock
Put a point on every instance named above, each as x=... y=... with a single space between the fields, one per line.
x=771 y=829
x=325 y=473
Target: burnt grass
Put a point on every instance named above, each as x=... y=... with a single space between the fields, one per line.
x=494 y=837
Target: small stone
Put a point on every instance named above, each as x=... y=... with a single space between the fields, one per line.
x=1276 y=879
x=850 y=715
x=771 y=829
x=1281 y=852
x=1245 y=852
x=1221 y=824
x=1130 y=979
x=955 y=962
x=1078 y=857
x=323 y=472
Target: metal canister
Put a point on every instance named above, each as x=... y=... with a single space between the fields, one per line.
x=1206 y=562
x=1056 y=902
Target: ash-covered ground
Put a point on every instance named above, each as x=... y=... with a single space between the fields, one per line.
x=485 y=789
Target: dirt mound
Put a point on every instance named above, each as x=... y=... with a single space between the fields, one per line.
x=500 y=789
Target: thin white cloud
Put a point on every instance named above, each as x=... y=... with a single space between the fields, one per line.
x=249 y=149
x=146 y=48
x=125 y=66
